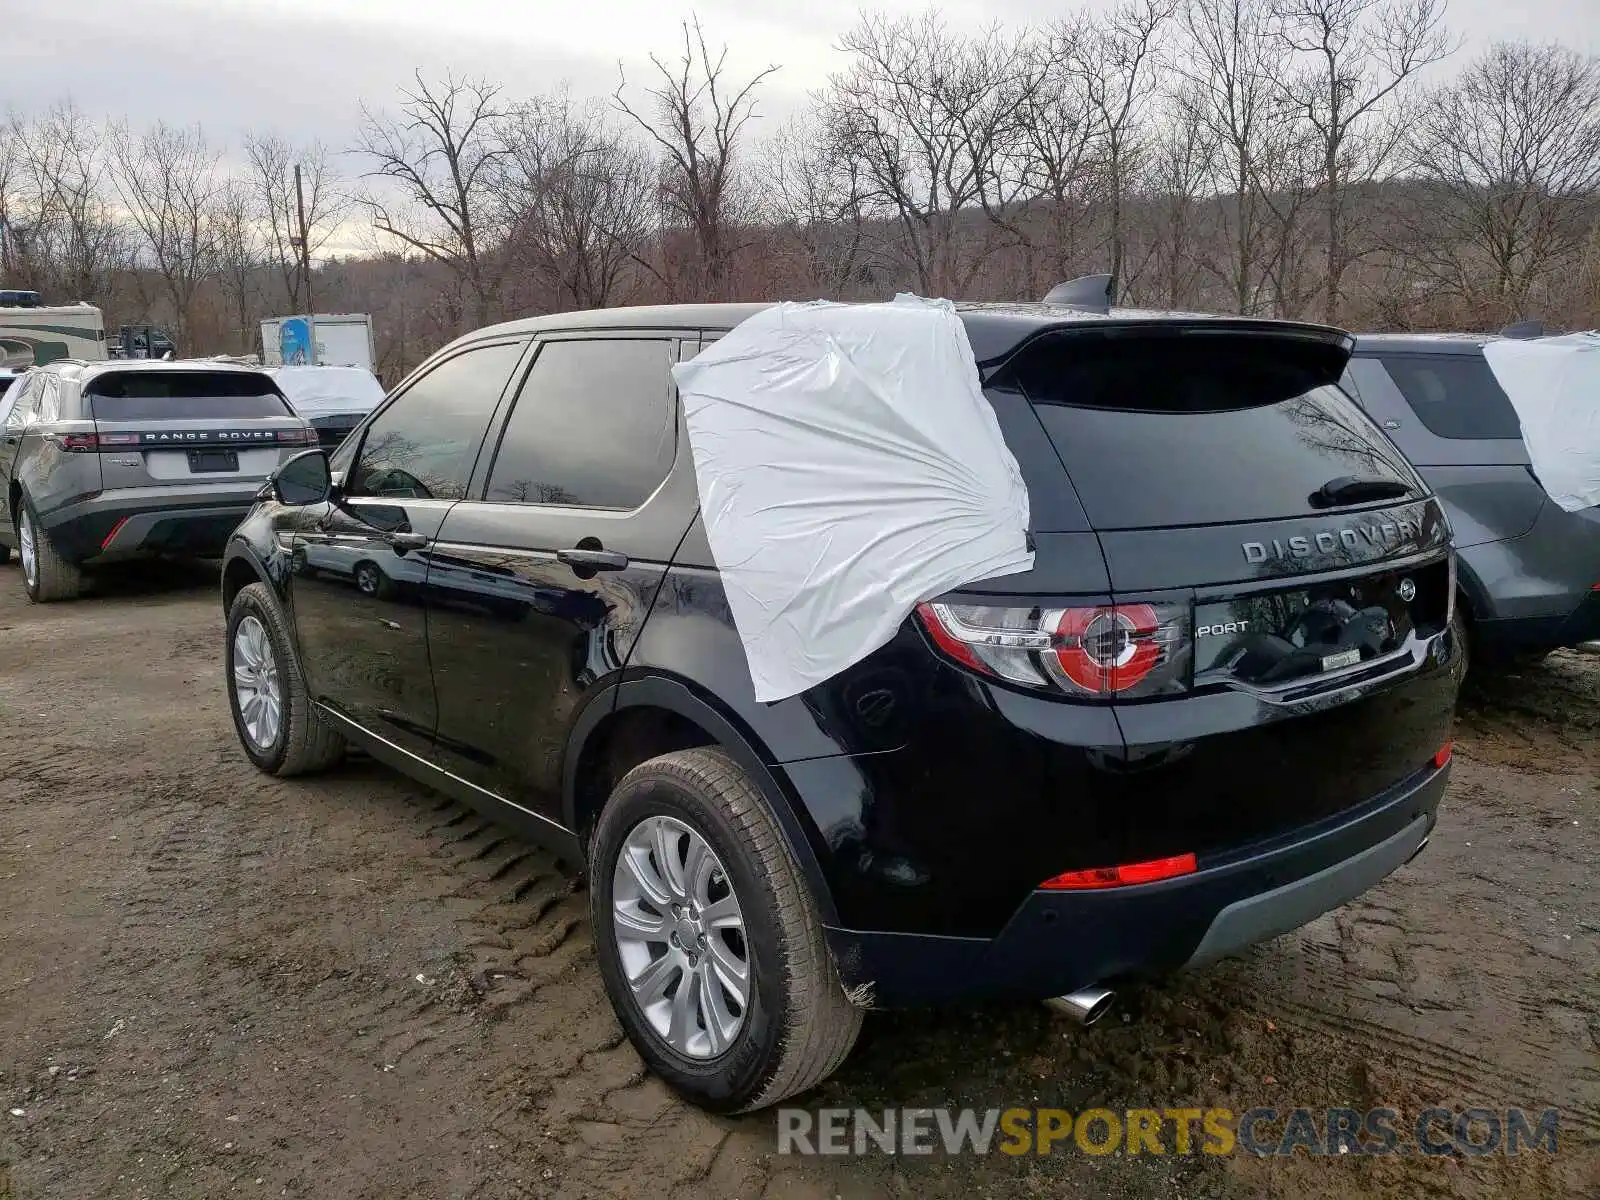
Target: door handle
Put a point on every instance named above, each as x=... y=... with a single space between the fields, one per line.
x=593 y=560
x=406 y=541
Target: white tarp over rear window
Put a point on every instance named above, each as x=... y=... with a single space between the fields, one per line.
x=329 y=391
x=849 y=468
x=1554 y=384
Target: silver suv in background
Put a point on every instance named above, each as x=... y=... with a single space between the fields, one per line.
x=1528 y=571
x=113 y=460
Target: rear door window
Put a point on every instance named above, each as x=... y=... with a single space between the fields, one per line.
x=1455 y=396
x=185 y=396
x=594 y=426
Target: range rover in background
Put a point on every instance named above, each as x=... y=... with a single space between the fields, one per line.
x=1528 y=571
x=113 y=460
x=1217 y=706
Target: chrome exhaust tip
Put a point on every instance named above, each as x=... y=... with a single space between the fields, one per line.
x=1085 y=1006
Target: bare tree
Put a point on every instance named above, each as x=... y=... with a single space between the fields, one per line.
x=1177 y=171
x=579 y=201
x=696 y=116
x=1510 y=155
x=816 y=195
x=926 y=114
x=167 y=179
x=440 y=158
x=1116 y=59
x=1047 y=181
x=275 y=204
x=240 y=255
x=1231 y=92
x=69 y=236
x=1352 y=60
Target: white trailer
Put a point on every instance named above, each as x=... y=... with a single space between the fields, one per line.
x=318 y=340
x=35 y=335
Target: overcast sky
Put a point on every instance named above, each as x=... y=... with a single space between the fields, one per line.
x=304 y=67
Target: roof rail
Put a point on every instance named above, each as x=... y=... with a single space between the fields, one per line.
x=1097 y=293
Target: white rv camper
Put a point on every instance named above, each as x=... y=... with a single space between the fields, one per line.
x=32 y=334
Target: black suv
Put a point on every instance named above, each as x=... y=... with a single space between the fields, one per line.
x=1217 y=706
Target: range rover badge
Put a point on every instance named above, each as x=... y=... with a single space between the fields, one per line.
x=1407 y=590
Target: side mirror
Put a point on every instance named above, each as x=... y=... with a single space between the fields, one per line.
x=304 y=479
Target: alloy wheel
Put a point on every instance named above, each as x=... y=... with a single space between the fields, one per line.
x=29 y=550
x=256 y=689
x=681 y=937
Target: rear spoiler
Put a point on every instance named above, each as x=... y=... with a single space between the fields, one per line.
x=1095 y=293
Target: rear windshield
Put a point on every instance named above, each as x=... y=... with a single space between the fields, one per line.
x=1160 y=431
x=185 y=396
x=1454 y=395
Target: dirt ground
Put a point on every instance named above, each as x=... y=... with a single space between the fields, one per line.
x=215 y=984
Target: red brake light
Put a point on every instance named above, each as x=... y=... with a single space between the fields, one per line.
x=1443 y=756
x=1124 y=876
x=298 y=437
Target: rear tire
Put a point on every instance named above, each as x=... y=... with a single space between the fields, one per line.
x=297 y=740
x=797 y=1025
x=46 y=576
x=5 y=555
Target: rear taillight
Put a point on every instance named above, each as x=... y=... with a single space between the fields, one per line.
x=297 y=437
x=89 y=443
x=1121 y=650
x=1151 y=871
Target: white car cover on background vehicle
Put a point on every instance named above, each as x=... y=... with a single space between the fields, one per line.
x=329 y=391
x=1554 y=384
x=849 y=468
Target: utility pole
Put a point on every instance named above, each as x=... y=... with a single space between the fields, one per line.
x=305 y=240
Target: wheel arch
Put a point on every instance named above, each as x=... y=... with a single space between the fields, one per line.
x=640 y=718
x=239 y=571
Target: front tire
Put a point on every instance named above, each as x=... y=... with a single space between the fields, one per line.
x=277 y=724
x=693 y=892
x=46 y=576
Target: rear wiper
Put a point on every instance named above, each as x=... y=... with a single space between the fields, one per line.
x=1357 y=489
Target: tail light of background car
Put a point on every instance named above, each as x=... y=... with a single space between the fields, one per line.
x=90 y=443
x=1108 y=650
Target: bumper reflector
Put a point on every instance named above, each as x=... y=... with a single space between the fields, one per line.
x=115 y=529
x=1445 y=751
x=1123 y=876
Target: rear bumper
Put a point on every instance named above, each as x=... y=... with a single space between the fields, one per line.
x=189 y=521
x=1059 y=941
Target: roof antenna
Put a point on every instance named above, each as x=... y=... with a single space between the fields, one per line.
x=1096 y=293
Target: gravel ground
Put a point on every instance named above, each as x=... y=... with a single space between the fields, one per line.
x=212 y=983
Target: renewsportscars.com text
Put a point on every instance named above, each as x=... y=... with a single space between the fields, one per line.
x=1098 y=1131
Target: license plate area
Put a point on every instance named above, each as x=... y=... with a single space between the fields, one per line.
x=204 y=461
x=1269 y=638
